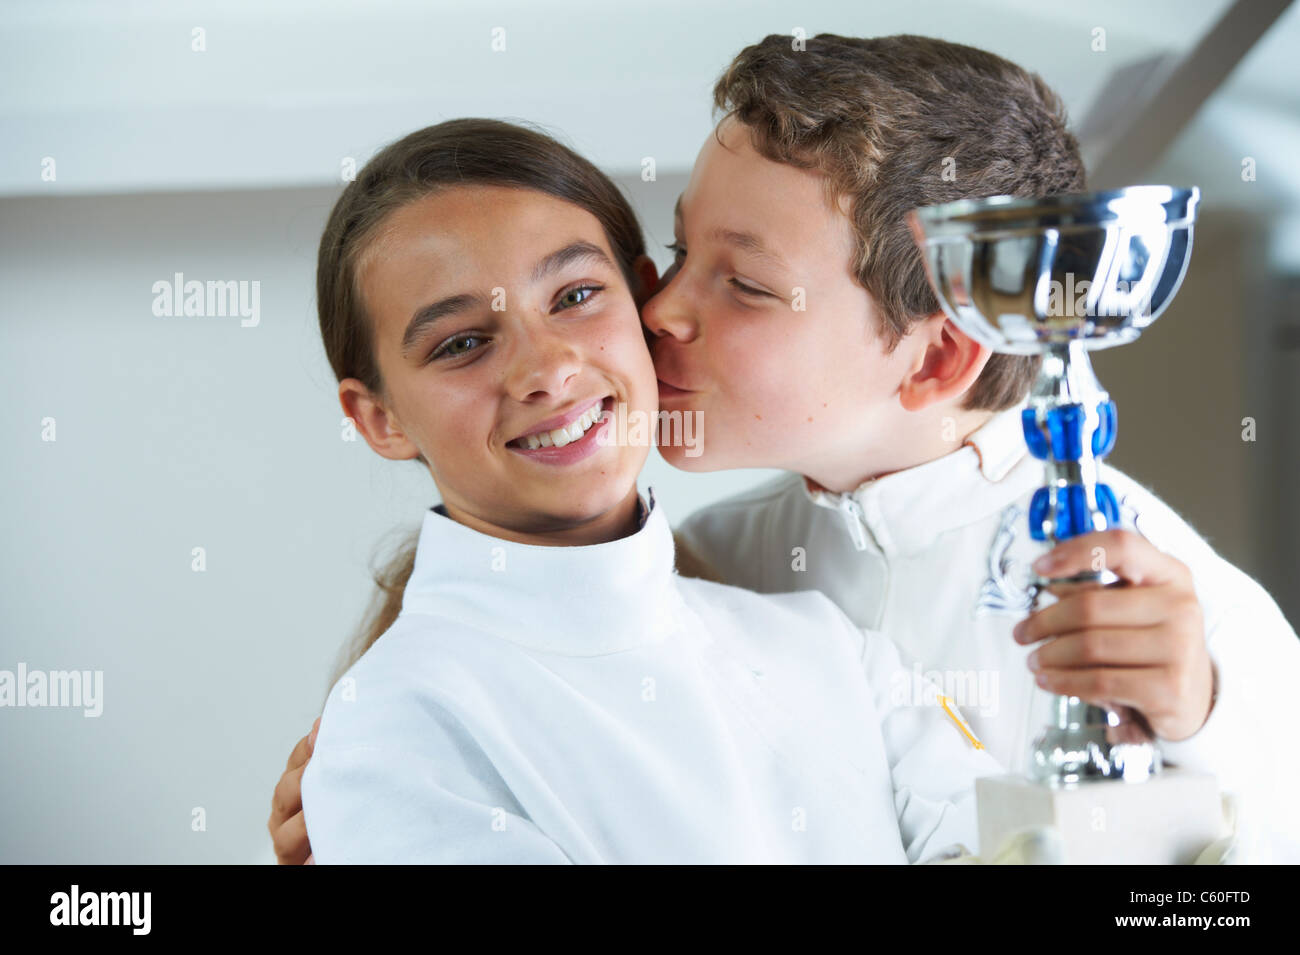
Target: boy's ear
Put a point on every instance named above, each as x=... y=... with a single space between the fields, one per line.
x=381 y=430
x=646 y=274
x=947 y=364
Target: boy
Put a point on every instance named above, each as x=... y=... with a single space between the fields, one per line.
x=808 y=337
x=798 y=321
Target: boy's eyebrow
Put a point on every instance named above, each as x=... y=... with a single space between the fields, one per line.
x=743 y=240
x=428 y=315
x=750 y=243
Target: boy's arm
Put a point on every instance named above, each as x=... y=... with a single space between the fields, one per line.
x=1256 y=659
x=286 y=825
x=934 y=758
x=1215 y=689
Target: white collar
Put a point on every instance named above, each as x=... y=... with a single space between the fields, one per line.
x=905 y=511
x=581 y=601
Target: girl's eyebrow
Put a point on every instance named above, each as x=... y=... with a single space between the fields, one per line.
x=579 y=251
x=428 y=315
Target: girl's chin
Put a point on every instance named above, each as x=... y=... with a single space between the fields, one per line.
x=579 y=493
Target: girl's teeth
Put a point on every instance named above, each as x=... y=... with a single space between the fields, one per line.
x=562 y=436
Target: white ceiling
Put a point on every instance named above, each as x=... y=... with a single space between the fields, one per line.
x=285 y=90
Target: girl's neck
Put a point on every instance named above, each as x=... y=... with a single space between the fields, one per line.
x=620 y=521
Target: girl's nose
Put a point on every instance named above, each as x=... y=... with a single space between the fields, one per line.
x=543 y=364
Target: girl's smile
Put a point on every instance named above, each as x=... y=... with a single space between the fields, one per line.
x=567 y=438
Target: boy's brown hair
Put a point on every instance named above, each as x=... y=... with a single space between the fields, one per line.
x=899 y=122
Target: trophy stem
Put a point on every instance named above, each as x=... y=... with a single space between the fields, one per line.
x=1070 y=425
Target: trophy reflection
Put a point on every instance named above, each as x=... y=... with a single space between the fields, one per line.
x=1059 y=277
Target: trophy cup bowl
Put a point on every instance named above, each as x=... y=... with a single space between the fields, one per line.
x=993 y=263
x=1057 y=277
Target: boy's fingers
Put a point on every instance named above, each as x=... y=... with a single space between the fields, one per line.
x=1104 y=686
x=1120 y=551
x=311 y=737
x=287 y=798
x=1096 y=608
x=301 y=752
x=290 y=842
x=1133 y=727
x=1105 y=647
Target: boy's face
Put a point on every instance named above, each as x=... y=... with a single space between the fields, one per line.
x=761 y=327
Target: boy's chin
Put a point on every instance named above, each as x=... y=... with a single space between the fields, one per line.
x=695 y=459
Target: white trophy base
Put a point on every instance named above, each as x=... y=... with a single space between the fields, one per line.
x=1167 y=820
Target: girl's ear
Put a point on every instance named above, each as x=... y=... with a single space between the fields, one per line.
x=381 y=430
x=646 y=275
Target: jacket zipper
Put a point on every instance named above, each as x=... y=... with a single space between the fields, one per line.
x=852 y=512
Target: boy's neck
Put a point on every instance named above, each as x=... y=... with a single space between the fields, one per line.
x=918 y=439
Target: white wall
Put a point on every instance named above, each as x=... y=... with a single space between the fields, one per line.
x=178 y=433
x=282 y=91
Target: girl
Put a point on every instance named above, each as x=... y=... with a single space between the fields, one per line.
x=551 y=691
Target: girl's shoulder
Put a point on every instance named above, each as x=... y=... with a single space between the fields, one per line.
x=421 y=664
x=796 y=624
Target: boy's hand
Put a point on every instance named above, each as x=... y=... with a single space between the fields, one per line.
x=1138 y=645
x=287 y=826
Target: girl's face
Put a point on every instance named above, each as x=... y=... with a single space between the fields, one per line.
x=499 y=314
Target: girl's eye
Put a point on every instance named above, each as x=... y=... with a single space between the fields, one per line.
x=579 y=296
x=677 y=249
x=744 y=289
x=450 y=349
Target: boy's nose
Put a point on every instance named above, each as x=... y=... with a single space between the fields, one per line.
x=669 y=313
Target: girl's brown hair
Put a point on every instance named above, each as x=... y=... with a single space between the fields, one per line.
x=455 y=153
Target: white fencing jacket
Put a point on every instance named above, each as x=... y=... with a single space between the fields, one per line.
x=937 y=558
x=587 y=704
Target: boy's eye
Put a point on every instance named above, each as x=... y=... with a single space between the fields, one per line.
x=677 y=249
x=578 y=296
x=451 y=349
x=744 y=289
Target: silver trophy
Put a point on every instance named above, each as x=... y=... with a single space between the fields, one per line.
x=1058 y=277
